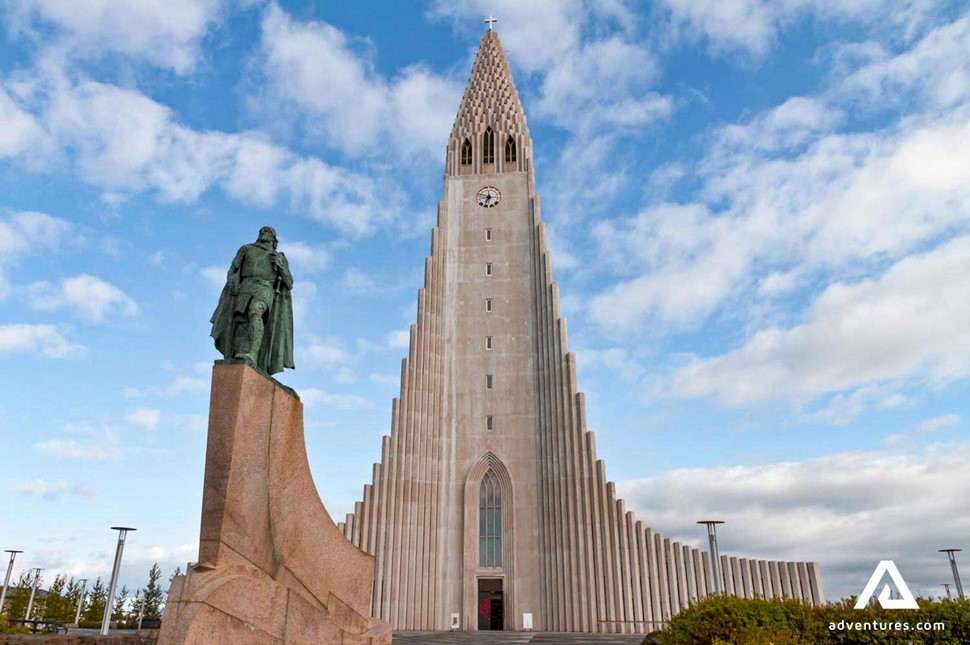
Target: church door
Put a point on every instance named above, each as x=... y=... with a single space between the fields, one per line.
x=491 y=612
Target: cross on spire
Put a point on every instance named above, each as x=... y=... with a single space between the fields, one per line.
x=490 y=21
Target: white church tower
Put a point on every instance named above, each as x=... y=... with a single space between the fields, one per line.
x=489 y=502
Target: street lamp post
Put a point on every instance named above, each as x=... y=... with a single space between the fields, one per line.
x=6 y=581
x=108 y=605
x=956 y=574
x=946 y=585
x=80 y=600
x=715 y=557
x=33 y=591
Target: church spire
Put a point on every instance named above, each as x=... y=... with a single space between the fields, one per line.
x=490 y=132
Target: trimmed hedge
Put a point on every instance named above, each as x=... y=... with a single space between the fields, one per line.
x=727 y=620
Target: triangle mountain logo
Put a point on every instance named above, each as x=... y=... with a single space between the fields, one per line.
x=906 y=599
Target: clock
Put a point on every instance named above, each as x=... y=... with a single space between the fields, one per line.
x=489 y=197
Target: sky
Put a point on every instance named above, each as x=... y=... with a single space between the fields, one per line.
x=759 y=213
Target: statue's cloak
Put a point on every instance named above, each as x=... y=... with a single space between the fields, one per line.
x=276 y=351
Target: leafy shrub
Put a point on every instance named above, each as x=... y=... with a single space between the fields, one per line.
x=727 y=620
x=5 y=628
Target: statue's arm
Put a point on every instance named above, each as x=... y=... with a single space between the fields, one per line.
x=235 y=269
x=284 y=270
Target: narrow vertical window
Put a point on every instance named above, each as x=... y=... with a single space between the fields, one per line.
x=510 y=150
x=490 y=521
x=488 y=342
x=488 y=269
x=466 y=153
x=488 y=235
x=488 y=305
x=488 y=146
x=488 y=422
x=488 y=381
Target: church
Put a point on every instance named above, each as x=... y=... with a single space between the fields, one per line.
x=488 y=509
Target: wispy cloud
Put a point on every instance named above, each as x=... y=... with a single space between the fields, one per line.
x=51 y=490
x=147 y=418
x=43 y=339
x=327 y=80
x=846 y=511
x=91 y=298
x=312 y=397
x=913 y=322
x=163 y=33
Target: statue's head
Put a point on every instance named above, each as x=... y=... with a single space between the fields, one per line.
x=268 y=234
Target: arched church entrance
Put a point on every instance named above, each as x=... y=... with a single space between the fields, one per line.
x=488 y=553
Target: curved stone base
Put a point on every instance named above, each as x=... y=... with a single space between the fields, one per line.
x=273 y=567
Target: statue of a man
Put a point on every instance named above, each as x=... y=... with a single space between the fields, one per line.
x=254 y=318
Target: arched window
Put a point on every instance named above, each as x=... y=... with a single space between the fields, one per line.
x=466 y=153
x=510 y=150
x=490 y=522
x=488 y=146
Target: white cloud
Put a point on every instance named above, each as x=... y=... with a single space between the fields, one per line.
x=391 y=380
x=562 y=254
x=935 y=71
x=44 y=339
x=842 y=408
x=186 y=384
x=63 y=554
x=846 y=511
x=357 y=281
x=798 y=120
x=126 y=143
x=615 y=361
x=693 y=259
x=147 y=418
x=329 y=80
x=784 y=195
x=754 y=26
x=423 y=107
x=554 y=23
x=930 y=426
x=315 y=396
x=50 y=490
x=165 y=33
x=603 y=84
x=306 y=257
x=912 y=322
x=18 y=128
x=96 y=448
x=213 y=275
x=328 y=352
x=938 y=423
x=25 y=233
x=399 y=339
x=91 y=298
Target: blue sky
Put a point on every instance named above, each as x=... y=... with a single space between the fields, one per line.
x=759 y=219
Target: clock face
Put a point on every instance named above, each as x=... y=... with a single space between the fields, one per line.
x=489 y=197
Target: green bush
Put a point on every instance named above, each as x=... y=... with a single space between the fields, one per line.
x=727 y=620
x=6 y=629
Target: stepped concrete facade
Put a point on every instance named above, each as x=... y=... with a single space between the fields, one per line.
x=489 y=508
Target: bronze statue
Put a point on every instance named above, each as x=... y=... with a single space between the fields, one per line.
x=254 y=318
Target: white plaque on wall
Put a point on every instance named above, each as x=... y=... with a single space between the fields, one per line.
x=527 y=622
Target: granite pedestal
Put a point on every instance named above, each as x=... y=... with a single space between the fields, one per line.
x=273 y=567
